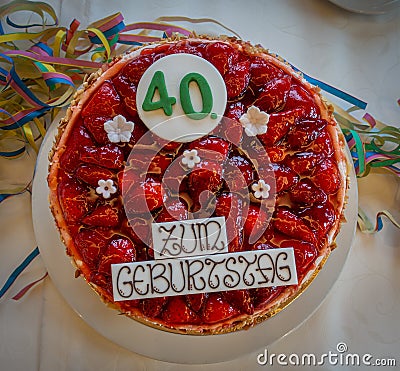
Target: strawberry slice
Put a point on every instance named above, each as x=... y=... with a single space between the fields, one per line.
x=205 y=180
x=274 y=94
x=217 y=309
x=177 y=312
x=153 y=307
x=305 y=132
x=211 y=148
x=305 y=192
x=264 y=295
x=276 y=153
x=126 y=178
x=101 y=280
x=127 y=91
x=105 y=102
x=300 y=97
x=319 y=217
x=262 y=71
x=290 y=224
x=305 y=254
x=184 y=46
x=196 y=301
x=134 y=70
x=119 y=250
x=91 y=174
x=95 y=125
x=142 y=134
x=102 y=216
x=279 y=125
x=230 y=130
x=239 y=299
x=285 y=177
x=322 y=145
x=71 y=158
x=256 y=223
x=221 y=55
x=230 y=206
x=90 y=243
x=241 y=163
x=144 y=197
x=303 y=162
x=173 y=210
x=235 y=110
x=159 y=49
x=160 y=163
x=74 y=197
x=109 y=156
x=237 y=79
x=138 y=229
x=326 y=176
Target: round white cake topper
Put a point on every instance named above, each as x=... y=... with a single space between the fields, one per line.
x=181 y=97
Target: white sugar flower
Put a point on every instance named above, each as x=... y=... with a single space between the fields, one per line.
x=254 y=121
x=261 y=189
x=118 y=129
x=106 y=188
x=190 y=158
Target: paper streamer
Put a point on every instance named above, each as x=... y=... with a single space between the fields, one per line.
x=22 y=292
x=367 y=226
x=14 y=275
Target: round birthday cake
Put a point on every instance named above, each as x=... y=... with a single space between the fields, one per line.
x=198 y=184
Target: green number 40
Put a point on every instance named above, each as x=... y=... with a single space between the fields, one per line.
x=166 y=102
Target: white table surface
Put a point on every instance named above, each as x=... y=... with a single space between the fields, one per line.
x=359 y=54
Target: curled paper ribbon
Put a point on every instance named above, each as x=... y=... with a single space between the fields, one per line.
x=17 y=271
x=23 y=291
x=372 y=144
x=366 y=225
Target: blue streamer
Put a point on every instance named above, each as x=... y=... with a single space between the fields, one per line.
x=332 y=90
x=14 y=275
x=45 y=48
x=12 y=153
x=30 y=116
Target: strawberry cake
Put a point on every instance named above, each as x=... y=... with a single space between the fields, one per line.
x=108 y=170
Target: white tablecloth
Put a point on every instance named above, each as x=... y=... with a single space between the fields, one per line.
x=359 y=54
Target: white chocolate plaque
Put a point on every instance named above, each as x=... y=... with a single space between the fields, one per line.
x=193 y=237
x=207 y=273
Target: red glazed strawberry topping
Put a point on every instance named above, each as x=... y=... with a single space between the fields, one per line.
x=279 y=125
x=299 y=97
x=105 y=102
x=75 y=199
x=135 y=69
x=216 y=309
x=274 y=94
x=119 y=250
x=152 y=308
x=237 y=79
x=305 y=132
x=305 y=192
x=290 y=224
x=177 y=311
x=91 y=174
x=263 y=71
x=326 y=176
x=109 y=156
x=222 y=56
x=102 y=216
